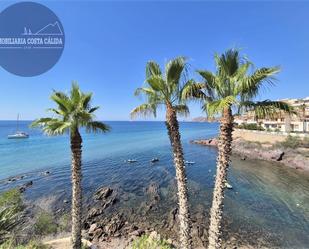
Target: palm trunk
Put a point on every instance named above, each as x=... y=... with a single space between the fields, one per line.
x=76 y=149
x=287 y=122
x=304 y=119
x=223 y=159
x=184 y=215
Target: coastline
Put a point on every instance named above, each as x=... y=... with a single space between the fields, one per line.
x=136 y=207
x=113 y=216
x=253 y=146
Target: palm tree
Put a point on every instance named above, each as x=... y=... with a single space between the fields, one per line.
x=165 y=89
x=73 y=112
x=230 y=88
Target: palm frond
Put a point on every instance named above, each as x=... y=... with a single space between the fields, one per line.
x=194 y=91
x=182 y=110
x=61 y=95
x=162 y=88
x=144 y=110
x=144 y=90
x=82 y=117
x=93 y=109
x=85 y=100
x=156 y=82
x=210 y=82
x=75 y=93
x=251 y=85
x=63 y=102
x=56 y=111
x=96 y=126
x=152 y=69
x=268 y=108
x=216 y=107
x=242 y=71
x=40 y=122
x=73 y=111
x=56 y=127
x=228 y=63
x=175 y=69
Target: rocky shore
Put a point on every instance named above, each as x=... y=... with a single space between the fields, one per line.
x=114 y=217
x=293 y=158
x=110 y=223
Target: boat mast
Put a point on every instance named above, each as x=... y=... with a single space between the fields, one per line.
x=17 y=122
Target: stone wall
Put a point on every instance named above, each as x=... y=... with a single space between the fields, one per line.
x=264 y=136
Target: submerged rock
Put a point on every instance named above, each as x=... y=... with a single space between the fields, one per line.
x=15 y=178
x=210 y=142
x=103 y=193
x=46 y=173
x=153 y=191
x=28 y=184
x=25 y=186
x=103 y=198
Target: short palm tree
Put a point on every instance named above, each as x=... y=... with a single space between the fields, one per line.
x=230 y=89
x=164 y=89
x=73 y=112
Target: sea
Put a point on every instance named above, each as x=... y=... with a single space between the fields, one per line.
x=267 y=198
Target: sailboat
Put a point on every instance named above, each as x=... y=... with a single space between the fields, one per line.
x=18 y=134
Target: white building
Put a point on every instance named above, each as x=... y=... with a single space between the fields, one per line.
x=284 y=122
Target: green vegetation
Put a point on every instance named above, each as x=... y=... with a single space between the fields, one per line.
x=291 y=142
x=164 y=89
x=294 y=142
x=232 y=86
x=250 y=127
x=45 y=224
x=64 y=223
x=146 y=242
x=11 y=198
x=11 y=208
x=73 y=112
x=10 y=244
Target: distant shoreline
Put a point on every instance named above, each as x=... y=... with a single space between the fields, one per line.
x=259 y=146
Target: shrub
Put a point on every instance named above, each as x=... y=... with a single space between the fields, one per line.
x=31 y=245
x=291 y=142
x=45 y=224
x=11 y=214
x=251 y=127
x=65 y=223
x=145 y=242
x=11 y=198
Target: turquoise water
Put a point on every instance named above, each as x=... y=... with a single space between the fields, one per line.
x=268 y=201
x=126 y=139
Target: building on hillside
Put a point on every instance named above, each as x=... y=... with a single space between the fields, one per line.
x=283 y=122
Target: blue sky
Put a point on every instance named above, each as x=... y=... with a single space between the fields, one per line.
x=109 y=43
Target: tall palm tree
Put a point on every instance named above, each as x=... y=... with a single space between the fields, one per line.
x=230 y=88
x=165 y=89
x=73 y=112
